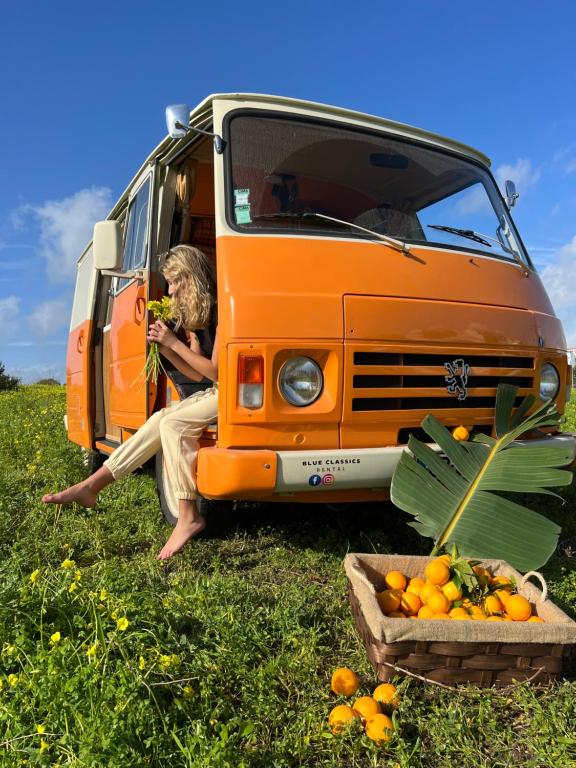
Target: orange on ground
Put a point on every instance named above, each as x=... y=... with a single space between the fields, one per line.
x=388 y=600
x=366 y=707
x=410 y=603
x=437 y=572
x=379 y=728
x=425 y=612
x=441 y=616
x=395 y=580
x=460 y=433
x=446 y=559
x=535 y=618
x=452 y=592
x=439 y=603
x=415 y=585
x=475 y=611
x=518 y=608
x=387 y=696
x=341 y=717
x=344 y=682
x=492 y=605
x=427 y=591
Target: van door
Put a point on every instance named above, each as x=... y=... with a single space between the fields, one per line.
x=79 y=369
x=128 y=324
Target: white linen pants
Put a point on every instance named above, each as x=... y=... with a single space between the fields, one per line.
x=176 y=431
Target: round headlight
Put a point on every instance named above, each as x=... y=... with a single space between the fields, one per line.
x=300 y=381
x=549 y=382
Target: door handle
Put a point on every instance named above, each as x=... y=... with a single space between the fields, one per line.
x=80 y=343
x=139 y=309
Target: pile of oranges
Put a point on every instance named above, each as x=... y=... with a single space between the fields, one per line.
x=372 y=712
x=443 y=594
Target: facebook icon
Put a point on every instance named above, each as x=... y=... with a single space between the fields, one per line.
x=314 y=480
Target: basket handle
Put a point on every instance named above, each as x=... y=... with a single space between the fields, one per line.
x=363 y=578
x=542 y=581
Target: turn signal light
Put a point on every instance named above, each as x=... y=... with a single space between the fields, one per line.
x=250 y=381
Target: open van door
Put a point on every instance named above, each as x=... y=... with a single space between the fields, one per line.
x=79 y=370
x=128 y=388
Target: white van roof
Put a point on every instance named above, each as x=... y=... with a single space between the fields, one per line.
x=201 y=114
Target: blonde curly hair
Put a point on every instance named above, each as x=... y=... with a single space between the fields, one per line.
x=191 y=273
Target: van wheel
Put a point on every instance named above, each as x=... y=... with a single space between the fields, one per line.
x=92 y=460
x=169 y=503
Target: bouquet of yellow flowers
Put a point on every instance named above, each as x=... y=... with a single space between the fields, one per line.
x=161 y=311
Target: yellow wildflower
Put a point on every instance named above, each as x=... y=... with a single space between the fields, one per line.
x=141 y=662
x=91 y=652
x=43 y=746
x=73 y=587
x=114 y=615
x=67 y=564
x=103 y=595
x=188 y=691
x=122 y=623
x=12 y=680
x=1 y=685
x=34 y=575
x=40 y=728
x=55 y=638
x=77 y=575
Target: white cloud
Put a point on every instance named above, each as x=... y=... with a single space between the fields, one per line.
x=49 y=316
x=9 y=321
x=566 y=156
x=475 y=200
x=521 y=173
x=559 y=277
x=66 y=228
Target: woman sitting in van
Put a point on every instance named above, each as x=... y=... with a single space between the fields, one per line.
x=175 y=430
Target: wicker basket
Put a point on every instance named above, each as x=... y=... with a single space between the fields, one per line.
x=456 y=652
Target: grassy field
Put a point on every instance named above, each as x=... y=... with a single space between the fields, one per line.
x=223 y=656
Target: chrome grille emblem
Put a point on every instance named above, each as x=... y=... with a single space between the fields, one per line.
x=457 y=378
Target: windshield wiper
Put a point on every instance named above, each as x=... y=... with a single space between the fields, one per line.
x=398 y=245
x=469 y=233
x=483 y=239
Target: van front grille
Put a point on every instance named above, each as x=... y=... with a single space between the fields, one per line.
x=413 y=381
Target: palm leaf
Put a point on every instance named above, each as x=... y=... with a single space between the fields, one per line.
x=456 y=503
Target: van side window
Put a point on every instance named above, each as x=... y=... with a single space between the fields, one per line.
x=136 y=240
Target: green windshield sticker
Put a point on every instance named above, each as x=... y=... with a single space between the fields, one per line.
x=241 y=197
x=242 y=214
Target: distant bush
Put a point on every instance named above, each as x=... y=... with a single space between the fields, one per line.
x=6 y=381
x=49 y=382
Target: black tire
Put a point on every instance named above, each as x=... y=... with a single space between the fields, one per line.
x=93 y=460
x=169 y=504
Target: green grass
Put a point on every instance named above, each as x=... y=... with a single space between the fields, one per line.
x=226 y=656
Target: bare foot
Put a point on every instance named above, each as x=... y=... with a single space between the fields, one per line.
x=181 y=535
x=79 y=493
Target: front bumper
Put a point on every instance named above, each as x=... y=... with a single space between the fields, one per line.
x=251 y=474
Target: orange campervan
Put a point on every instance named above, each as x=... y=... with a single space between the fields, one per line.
x=369 y=273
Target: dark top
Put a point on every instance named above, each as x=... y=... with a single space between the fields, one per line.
x=206 y=336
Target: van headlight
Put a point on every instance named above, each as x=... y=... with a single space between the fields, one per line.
x=549 y=382
x=300 y=381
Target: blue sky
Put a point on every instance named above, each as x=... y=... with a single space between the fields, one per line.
x=84 y=89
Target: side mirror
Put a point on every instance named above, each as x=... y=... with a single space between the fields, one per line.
x=107 y=245
x=511 y=194
x=177 y=119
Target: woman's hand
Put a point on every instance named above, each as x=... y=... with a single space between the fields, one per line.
x=162 y=335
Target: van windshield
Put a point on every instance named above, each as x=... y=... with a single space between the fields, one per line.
x=283 y=168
